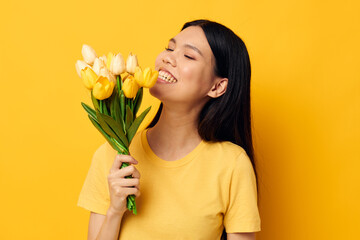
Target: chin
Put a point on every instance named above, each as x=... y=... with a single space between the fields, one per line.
x=160 y=93
x=155 y=92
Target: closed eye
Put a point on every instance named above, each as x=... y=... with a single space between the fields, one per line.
x=169 y=49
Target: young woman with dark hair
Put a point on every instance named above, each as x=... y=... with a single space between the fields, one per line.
x=196 y=157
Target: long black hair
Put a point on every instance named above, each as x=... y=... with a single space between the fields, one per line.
x=228 y=117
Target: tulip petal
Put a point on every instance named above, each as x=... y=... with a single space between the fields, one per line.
x=130 y=87
x=88 y=53
x=89 y=77
x=110 y=57
x=117 y=65
x=131 y=63
x=151 y=82
x=80 y=65
x=103 y=88
x=139 y=77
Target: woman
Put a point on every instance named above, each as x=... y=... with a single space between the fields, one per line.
x=196 y=158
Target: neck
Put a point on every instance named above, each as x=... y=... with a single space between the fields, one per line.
x=175 y=133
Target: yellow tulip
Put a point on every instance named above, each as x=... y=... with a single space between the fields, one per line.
x=124 y=75
x=110 y=57
x=146 y=78
x=131 y=63
x=103 y=88
x=106 y=73
x=130 y=87
x=80 y=65
x=88 y=77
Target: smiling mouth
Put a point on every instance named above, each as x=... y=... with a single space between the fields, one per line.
x=165 y=76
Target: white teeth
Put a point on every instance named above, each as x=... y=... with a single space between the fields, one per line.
x=166 y=77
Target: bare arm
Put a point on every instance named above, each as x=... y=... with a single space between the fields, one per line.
x=104 y=226
x=107 y=226
x=241 y=236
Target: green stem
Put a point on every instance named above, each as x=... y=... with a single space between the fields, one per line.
x=101 y=106
x=130 y=200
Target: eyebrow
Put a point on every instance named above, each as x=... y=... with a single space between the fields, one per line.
x=189 y=46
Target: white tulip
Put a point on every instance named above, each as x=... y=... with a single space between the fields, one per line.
x=88 y=54
x=104 y=58
x=80 y=65
x=117 y=65
x=98 y=64
x=131 y=63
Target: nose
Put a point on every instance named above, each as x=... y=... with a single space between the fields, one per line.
x=169 y=58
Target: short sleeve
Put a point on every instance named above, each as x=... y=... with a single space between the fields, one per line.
x=94 y=195
x=242 y=213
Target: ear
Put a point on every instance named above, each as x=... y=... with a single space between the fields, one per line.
x=219 y=88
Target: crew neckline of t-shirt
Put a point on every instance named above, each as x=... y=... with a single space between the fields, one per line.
x=164 y=163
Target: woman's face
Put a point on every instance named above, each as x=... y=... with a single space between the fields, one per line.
x=189 y=59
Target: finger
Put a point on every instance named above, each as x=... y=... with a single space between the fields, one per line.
x=127 y=182
x=124 y=172
x=132 y=191
x=119 y=159
x=136 y=173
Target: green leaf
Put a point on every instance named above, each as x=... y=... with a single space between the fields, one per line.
x=116 y=108
x=112 y=108
x=106 y=127
x=134 y=127
x=107 y=137
x=89 y=110
x=138 y=100
x=129 y=117
x=116 y=128
x=94 y=101
x=109 y=102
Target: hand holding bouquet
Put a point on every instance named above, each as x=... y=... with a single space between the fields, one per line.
x=116 y=93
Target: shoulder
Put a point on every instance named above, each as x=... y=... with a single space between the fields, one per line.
x=104 y=156
x=228 y=158
x=105 y=150
x=227 y=152
x=136 y=144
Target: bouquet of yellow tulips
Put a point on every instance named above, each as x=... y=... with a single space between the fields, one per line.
x=116 y=93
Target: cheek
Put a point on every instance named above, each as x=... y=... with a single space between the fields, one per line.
x=195 y=74
x=192 y=71
x=188 y=72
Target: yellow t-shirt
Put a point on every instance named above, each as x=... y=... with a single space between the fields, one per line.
x=194 y=197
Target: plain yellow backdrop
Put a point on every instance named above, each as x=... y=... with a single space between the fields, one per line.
x=305 y=107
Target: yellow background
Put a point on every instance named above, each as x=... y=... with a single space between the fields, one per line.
x=305 y=103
